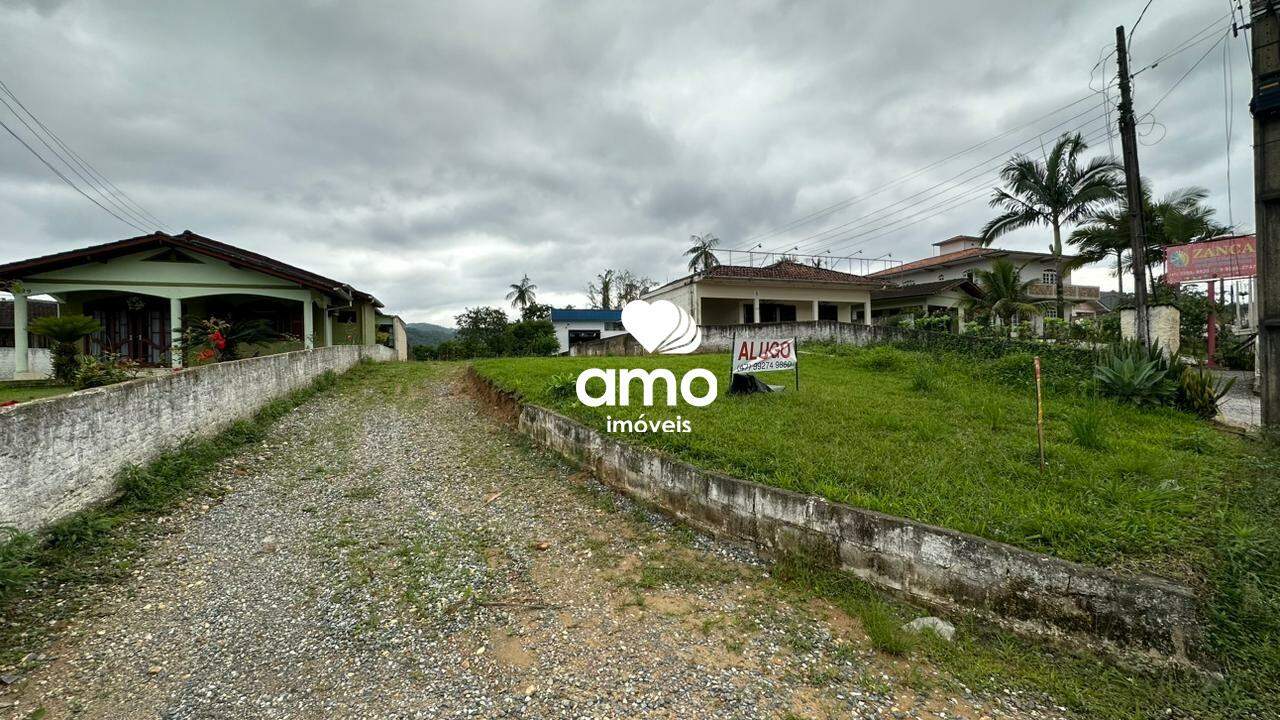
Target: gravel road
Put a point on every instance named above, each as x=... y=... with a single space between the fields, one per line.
x=390 y=551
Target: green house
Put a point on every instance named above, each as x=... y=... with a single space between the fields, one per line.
x=141 y=288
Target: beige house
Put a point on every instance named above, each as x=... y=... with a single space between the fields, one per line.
x=781 y=292
x=922 y=299
x=961 y=256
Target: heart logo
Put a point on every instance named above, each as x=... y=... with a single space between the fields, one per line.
x=661 y=327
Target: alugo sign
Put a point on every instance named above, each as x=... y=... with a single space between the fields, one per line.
x=751 y=356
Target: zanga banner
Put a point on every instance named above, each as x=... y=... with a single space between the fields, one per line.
x=751 y=356
x=1226 y=259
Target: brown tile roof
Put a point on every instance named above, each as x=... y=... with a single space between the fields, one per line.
x=936 y=260
x=786 y=270
x=929 y=288
x=948 y=258
x=35 y=309
x=186 y=240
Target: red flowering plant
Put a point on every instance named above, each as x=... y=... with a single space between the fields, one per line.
x=209 y=340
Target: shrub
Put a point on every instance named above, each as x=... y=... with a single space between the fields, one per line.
x=1199 y=392
x=107 y=370
x=1234 y=354
x=883 y=358
x=562 y=386
x=65 y=331
x=1015 y=370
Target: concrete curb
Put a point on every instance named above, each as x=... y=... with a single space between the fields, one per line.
x=1025 y=591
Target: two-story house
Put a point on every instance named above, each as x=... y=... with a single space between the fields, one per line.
x=961 y=256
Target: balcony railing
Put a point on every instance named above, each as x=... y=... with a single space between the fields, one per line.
x=1069 y=292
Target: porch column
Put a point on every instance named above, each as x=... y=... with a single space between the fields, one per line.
x=960 y=319
x=866 y=310
x=175 y=333
x=815 y=310
x=20 y=364
x=308 y=323
x=328 y=329
x=755 y=303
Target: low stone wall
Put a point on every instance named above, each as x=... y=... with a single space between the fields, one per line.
x=38 y=361
x=719 y=338
x=935 y=566
x=61 y=454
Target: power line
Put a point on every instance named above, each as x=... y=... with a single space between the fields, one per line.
x=65 y=179
x=982 y=168
x=112 y=194
x=1228 y=119
x=939 y=208
x=1196 y=38
x=876 y=191
x=1134 y=27
x=1191 y=69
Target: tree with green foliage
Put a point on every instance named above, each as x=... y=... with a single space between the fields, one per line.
x=65 y=331
x=536 y=311
x=1056 y=191
x=1004 y=293
x=1179 y=217
x=701 y=252
x=522 y=293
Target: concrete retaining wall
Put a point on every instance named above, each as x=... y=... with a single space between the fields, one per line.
x=38 y=360
x=932 y=565
x=61 y=454
x=718 y=338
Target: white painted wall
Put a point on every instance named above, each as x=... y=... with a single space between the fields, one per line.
x=59 y=455
x=38 y=360
x=563 y=328
x=1031 y=268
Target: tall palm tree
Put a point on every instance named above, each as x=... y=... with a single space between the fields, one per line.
x=1055 y=192
x=1004 y=293
x=702 y=252
x=523 y=294
x=1177 y=218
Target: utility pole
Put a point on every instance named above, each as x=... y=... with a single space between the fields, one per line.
x=1266 y=186
x=1133 y=186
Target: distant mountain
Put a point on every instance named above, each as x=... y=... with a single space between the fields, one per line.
x=428 y=334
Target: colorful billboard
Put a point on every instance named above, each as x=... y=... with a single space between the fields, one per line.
x=1221 y=258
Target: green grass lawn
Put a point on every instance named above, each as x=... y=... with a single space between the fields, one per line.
x=951 y=440
x=931 y=440
x=23 y=394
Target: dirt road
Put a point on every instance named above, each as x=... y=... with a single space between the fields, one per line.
x=391 y=551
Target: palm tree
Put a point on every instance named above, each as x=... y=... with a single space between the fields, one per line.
x=702 y=252
x=1177 y=218
x=65 y=331
x=1055 y=192
x=1004 y=292
x=523 y=293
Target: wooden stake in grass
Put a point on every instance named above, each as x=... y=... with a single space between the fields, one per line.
x=1039 y=414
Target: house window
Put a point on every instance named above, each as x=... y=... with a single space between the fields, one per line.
x=827 y=311
x=1049 y=277
x=614 y=326
x=1051 y=312
x=968 y=275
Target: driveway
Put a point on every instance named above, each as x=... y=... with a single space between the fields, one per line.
x=391 y=551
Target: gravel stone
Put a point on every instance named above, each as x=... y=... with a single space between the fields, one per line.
x=389 y=550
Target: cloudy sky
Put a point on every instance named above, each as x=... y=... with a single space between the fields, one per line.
x=432 y=153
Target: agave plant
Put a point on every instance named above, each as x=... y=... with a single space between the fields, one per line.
x=1200 y=392
x=1137 y=374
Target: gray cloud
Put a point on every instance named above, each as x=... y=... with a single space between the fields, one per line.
x=433 y=153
